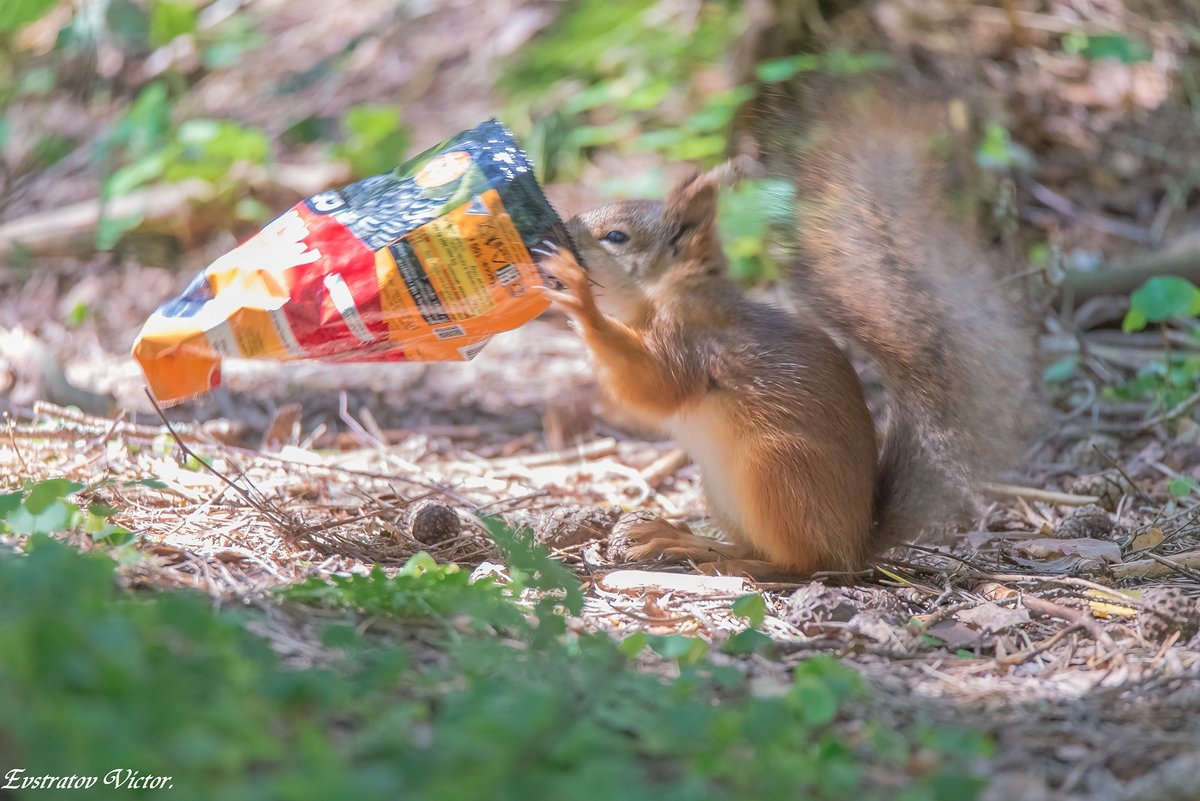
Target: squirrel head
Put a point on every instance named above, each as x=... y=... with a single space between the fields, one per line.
x=634 y=247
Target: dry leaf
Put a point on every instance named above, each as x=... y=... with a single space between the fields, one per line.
x=1150 y=539
x=1047 y=548
x=994 y=591
x=954 y=634
x=993 y=617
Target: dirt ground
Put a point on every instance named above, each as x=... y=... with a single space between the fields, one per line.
x=1062 y=618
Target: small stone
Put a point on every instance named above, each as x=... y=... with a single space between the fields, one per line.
x=1167 y=610
x=1086 y=521
x=434 y=522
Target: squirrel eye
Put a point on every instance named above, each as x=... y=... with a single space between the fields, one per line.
x=615 y=237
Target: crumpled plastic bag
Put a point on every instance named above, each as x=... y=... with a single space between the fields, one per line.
x=424 y=263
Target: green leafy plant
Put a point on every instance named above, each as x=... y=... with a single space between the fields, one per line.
x=997 y=150
x=751 y=216
x=375 y=139
x=400 y=694
x=1095 y=47
x=1172 y=378
x=202 y=149
x=833 y=62
x=1161 y=299
x=42 y=507
x=620 y=74
x=15 y=14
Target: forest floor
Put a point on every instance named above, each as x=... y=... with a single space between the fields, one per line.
x=1062 y=619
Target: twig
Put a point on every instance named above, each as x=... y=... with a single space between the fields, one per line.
x=1100 y=222
x=1152 y=568
x=592 y=450
x=657 y=471
x=277 y=517
x=1034 y=494
x=1178 y=410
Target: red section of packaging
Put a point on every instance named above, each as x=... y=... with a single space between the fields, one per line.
x=314 y=316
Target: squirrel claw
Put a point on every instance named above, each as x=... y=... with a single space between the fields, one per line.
x=577 y=293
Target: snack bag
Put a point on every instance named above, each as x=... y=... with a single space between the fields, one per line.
x=425 y=263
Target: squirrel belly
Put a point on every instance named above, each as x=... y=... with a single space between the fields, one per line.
x=792 y=491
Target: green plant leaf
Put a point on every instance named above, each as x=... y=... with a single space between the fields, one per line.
x=1183 y=486
x=9 y=503
x=171 y=18
x=1115 y=46
x=44 y=493
x=16 y=14
x=633 y=645
x=530 y=564
x=781 y=69
x=817 y=702
x=1062 y=370
x=1164 y=297
x=58 y=516
x=1134 y=321
x=684 y=650
x=747 y=641
x=752 y=607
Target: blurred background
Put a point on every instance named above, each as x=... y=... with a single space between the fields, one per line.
x=140 y=139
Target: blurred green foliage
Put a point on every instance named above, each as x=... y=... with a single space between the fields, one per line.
x=17 y=13
x=1161 y=299
x=626 y=74
x=41 y=507
x=426 y=684
x=375 y=141
x=1173 y=378
x=1095 y=47
x=638 y=76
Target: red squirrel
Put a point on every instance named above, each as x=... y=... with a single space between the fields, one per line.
x=766 y=402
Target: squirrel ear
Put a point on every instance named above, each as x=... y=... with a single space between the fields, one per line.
x=692 y=205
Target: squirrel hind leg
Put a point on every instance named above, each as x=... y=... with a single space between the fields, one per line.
x=657 y=539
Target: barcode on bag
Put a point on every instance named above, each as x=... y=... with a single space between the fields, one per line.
x=448 y=332
x=508 y=274
x=469 y=352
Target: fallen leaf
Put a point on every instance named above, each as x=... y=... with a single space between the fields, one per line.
x=1150 y=539
x=993 y=591
x=1046 y=548
x=954 y=634
x=993 y=617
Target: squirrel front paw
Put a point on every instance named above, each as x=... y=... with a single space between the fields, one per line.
x=576 y=297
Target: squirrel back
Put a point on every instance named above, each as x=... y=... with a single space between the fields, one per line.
x=883 y=264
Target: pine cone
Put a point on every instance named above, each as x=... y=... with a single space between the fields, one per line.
x=1109 y=486
x=1086 y=521
x=434 y=522
x=1167 y=610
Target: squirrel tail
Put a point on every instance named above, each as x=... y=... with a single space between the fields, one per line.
x=885 y=266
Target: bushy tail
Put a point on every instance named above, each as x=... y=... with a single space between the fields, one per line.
x=885 y=265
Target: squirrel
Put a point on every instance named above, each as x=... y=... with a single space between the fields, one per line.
x=767 y=402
